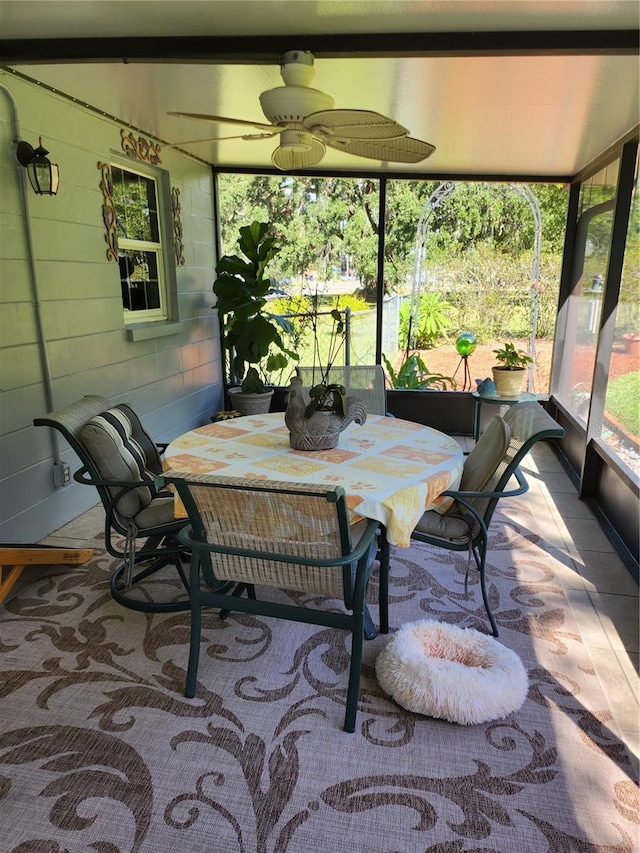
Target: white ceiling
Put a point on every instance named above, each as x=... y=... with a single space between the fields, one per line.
x=541 y=112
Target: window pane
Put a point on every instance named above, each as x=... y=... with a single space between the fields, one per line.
x=136 y=206
x=327 y=231
x=474 y=258
x=139 y=248
x=588 y=308
x=584 y=306
x=621 y=427
x=480 y=259
x=139 y=280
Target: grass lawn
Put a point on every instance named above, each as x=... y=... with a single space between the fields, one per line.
x=623 y=395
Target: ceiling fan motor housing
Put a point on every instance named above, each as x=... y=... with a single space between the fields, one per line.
x=286 y=104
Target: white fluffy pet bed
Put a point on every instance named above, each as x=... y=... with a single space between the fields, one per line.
x=451 y=673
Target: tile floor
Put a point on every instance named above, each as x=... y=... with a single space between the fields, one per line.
x=602 y=593
x=600 y=589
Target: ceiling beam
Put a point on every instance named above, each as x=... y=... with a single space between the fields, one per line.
x=390 y=174
x=268 y=49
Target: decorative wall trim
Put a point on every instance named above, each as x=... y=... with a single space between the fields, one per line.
x=177 y=226
x=109 y=214
x=140 y=148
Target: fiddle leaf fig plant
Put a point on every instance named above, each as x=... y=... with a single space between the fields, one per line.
x=252 y=334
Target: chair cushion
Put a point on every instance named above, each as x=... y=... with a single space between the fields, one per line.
x=121 y=450
x=451 y=525
x=481 y=464
x=456 y=524
x=488 y=452
x=159 y=513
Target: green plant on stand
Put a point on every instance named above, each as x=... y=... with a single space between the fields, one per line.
x=512 y=359
x=509 y=373
x=413 y=374
x=252 y=335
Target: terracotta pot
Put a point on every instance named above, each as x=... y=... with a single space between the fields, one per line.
x=508 y=382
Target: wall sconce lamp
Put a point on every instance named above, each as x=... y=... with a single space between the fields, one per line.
x=44 y=175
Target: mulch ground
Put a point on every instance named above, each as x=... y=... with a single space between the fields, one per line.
x=445 y=359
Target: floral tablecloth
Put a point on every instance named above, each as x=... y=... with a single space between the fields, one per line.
x=391 y=470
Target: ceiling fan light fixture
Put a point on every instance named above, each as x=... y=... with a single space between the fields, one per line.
x=296 y=140
x=289 y=159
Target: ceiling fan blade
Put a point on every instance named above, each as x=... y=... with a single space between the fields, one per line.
x=402 y=150
x=289 y=158
x=245 y=136
x=353 y=124
x=224 y=120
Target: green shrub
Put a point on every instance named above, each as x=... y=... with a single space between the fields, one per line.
x=491 y=293
x=353 y=303
x=434 y=321
x=290 y=305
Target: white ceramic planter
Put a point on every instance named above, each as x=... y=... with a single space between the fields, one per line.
x=508 y=382
x=250 y=404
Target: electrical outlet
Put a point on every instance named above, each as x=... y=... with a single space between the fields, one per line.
x=61 y=474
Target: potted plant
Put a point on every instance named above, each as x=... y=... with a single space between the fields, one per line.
x=508 y=375
x=325 y=396
x=252 y=335
x=316 y=417
x=415 y=393
x=413 y=374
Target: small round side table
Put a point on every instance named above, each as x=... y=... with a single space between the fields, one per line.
x=495 y=400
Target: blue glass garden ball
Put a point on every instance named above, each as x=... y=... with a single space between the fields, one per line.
x=466 y=343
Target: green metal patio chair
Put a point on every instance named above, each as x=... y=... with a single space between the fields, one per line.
x=494 y=460
x=285 y=535
x=121 y=460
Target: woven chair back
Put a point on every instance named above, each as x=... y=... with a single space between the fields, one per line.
x=270 y=519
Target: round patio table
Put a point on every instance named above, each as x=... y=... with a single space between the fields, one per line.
x=392 y=470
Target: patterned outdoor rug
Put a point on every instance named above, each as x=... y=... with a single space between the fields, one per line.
x=100 y=751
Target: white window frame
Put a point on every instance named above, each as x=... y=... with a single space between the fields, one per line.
x=161 y=249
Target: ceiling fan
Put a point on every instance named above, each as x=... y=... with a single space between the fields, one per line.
x=306 y=122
